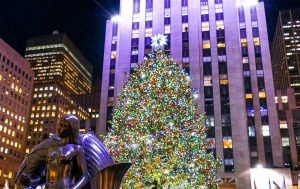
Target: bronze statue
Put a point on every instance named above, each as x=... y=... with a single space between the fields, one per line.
x=69 y=160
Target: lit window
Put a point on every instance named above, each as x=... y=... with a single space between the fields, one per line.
x=185 y=27
x=244 y=43
x=148 y=32
x=256 y=41
x=223 y=82
x=221 y=45
x=205 y=26
x=149 y=16
x=219 y=7
x=227 y=142
x=283 y=125
x=285 y=142
x=113 y=54
x=135 y=33
x=265 y=130
x=204 y=9
x=284 y=99
x=136 y=17
x=276 y=99
x=184 y=10
x=167 y=29
x=206 y=44
x=167 y=12
x=207 y=81
x=251 y=131
x=220 y=24
x=262 y=94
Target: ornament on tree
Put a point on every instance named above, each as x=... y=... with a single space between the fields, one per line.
x=157 y=127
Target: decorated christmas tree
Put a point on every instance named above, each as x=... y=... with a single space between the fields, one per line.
x=156 y=126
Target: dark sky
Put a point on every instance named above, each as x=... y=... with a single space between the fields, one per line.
x=82 y=20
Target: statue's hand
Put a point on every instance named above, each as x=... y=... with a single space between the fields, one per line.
x=24 y=180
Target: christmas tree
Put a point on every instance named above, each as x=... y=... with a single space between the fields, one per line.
x=157 y=127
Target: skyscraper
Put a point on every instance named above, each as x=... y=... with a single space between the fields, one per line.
x=224 y=46
x=16 y=82
x=286 y=52
x=61 y=71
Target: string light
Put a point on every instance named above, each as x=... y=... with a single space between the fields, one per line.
x=156 y=126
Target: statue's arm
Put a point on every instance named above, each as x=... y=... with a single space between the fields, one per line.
x=82 y=168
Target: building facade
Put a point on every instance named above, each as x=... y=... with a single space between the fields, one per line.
x=286 y=52
x=224 y=47
x=289 y=123
x=61 y=72
x=16 y=83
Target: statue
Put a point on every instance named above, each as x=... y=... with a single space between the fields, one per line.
x=70 y=160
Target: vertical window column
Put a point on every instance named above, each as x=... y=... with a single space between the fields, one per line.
x=135 y=35
x=167 y=22
x=185 y=37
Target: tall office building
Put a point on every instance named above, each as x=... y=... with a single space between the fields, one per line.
x=61 y=71
x=16 y=82
x=286 y=52
x=224 y=46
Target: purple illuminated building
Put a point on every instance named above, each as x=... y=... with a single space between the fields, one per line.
x=223 y=45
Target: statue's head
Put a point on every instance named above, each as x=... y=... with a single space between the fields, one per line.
x=69 y=128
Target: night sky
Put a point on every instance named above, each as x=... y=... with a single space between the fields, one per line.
x=82 y=20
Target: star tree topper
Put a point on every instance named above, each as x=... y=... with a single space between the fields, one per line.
x=159 y=40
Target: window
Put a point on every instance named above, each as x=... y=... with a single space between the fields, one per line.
x=207 y=68
x=207 y=81
x=148 y=32
x=113 y=55
x=210 y=121
x=206 y=44
x=244 y=42
x=135 y=33
x=149 y=5
x=283 y=125
x=136 y=6
x=205 y=35
x=227 y=142
x=285 y=141
x=148 y=24
x=204 y=17
x=185 y=19
x=284 y=99
x=219 y=8
x=203 y=2
x=149 y=16
x=253 y=14
x=265 y=130
x=241 y=15
x=184 y=10
x=185 y=27
x=256 y=41
x=167 y=4
x=219 y=16
x=251 y=131
x=167 y=29
x=136 y=17
x=205 y=26
x=168 y=12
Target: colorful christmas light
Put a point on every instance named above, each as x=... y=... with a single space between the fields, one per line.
x=157 y=127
